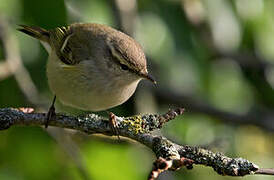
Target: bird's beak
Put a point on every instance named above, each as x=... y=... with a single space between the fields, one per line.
x=149 y=77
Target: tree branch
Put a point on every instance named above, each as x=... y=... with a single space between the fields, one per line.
x=263 y=119
x=170 y=156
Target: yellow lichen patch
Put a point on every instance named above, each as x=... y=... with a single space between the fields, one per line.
x=134 y=123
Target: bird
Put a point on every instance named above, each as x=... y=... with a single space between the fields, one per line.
x=91 y=66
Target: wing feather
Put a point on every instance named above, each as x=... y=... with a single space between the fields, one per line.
x=60 y=40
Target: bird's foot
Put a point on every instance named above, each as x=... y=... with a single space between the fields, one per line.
x=51 y=113
x=113 y=124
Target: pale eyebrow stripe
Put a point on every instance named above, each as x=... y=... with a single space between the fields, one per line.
x=117 y=58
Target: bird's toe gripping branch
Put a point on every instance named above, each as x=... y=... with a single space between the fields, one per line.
x=170 y=156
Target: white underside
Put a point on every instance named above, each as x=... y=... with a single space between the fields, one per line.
x=80 y=85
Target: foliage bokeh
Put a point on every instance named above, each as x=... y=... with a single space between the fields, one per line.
x=211 y=50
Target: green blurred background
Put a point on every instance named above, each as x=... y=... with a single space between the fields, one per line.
x=213 y=57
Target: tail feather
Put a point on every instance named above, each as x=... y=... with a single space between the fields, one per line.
x=36 y=32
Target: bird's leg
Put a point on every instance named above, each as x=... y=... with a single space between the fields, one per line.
x=51 y=112
x=113 y=124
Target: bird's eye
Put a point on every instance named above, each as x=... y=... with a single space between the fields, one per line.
x=124 y=67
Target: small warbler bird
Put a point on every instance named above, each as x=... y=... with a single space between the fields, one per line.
x=91 y=66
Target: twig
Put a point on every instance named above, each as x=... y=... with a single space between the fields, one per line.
x=125 y=14
x=70 y=147
x=13 y=64
x=167 y=96
x=261 y=118
x=171 y=156
x=269 y=171
x=161 y=165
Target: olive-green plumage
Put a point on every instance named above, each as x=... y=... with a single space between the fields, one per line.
x=91 y=66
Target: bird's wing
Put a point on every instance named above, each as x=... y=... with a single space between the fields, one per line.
x=65 y=43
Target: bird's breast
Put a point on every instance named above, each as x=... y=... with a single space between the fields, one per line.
x=83 y=86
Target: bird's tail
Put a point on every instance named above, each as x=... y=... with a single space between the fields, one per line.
x=36 y=32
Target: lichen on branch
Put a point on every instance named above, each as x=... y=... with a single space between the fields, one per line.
x=170 y=156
